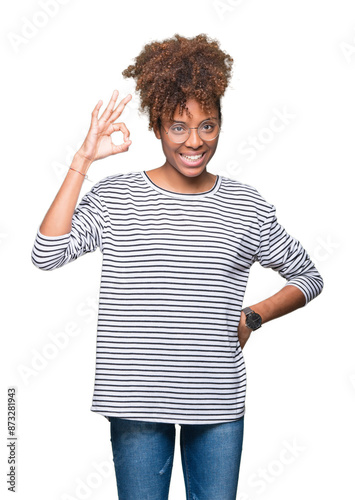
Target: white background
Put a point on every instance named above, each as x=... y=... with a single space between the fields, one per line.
x=297 y=58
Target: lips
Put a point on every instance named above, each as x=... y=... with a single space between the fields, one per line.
x=192 y=159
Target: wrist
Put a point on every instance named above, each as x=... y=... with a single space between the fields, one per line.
x=253 y=320
x=81 y=162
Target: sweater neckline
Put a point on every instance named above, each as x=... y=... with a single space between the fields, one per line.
x=174 y=194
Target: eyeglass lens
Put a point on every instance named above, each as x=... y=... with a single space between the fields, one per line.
x=208 y=130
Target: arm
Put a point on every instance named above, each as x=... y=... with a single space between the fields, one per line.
x=284 y=254
x=67 y=232
x=59 y=216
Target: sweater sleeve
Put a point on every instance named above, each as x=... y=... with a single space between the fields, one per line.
x=88 y=223
x=283 y=253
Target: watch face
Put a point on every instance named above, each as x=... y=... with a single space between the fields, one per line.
x=253 y=321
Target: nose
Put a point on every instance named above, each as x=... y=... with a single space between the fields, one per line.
x=194 y=140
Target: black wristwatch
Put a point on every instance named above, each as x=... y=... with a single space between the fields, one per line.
x=253 y=319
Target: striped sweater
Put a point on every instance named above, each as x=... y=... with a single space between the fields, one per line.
x=174 y=271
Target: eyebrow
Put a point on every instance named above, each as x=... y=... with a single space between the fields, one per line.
x=181 y=121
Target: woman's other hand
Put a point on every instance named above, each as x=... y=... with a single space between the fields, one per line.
x=243 y=331
x=98 y=142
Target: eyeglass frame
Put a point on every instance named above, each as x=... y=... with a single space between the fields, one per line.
x=190 y=128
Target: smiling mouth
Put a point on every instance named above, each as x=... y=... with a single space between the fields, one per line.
x=192 y=159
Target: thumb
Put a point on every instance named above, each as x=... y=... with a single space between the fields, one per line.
x=121 y=148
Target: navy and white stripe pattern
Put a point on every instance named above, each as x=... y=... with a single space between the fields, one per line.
x=174 y=273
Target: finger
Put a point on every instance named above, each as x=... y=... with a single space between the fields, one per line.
x=121 y=148
x=118 y=111
x=107 y=113
x=120 y=108
x=121 y=127
x=95 y=111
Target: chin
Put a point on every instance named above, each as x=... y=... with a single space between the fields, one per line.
x=191 y=171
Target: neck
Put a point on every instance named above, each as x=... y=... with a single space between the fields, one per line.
x=172 y=179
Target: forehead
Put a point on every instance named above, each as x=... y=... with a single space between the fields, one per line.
x=197 y=113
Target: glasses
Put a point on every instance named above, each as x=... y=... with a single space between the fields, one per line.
x=207 y=131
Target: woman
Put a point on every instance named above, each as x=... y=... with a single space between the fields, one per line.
x=177 y=245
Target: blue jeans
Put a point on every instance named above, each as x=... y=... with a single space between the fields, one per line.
x=143 y=454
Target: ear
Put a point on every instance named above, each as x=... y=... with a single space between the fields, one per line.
x=157 y=133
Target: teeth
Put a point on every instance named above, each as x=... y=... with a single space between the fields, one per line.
x=197 y=157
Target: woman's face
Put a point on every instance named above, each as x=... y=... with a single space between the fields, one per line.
x=190 y=157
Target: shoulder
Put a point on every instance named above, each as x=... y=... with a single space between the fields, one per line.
x=119 y=183
x=245 y=194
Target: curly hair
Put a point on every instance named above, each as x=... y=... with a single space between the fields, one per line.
x=171 y=72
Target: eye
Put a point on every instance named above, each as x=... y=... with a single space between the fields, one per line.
x=208 y=126
x=178 y=128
